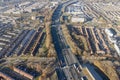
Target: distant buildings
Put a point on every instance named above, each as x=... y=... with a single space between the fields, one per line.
x=26 y=7
x=111 y=10
x=74 y=9
x=7 y=19
x=76 y=12
x=54 y=3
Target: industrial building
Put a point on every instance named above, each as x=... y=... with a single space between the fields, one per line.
x=78 y=18
x=76 y=11
x=73 y=10
x=94 y=72
x=94 y=75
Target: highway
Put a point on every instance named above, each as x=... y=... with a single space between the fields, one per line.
x=68 y=63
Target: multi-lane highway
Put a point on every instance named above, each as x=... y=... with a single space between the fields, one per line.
x=69 y=64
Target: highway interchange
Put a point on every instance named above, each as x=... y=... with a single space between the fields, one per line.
x=69 y=67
